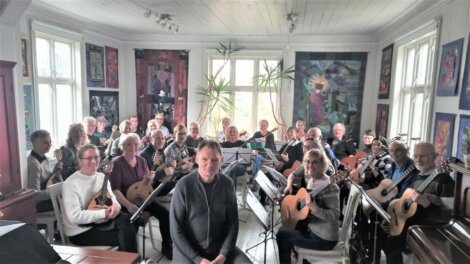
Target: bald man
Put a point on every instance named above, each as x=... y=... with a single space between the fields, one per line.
x=316 y=134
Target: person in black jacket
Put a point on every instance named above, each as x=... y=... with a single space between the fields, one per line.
x=341 y=146
x=264 y=135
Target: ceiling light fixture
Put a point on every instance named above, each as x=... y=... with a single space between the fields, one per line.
x=164 y=20
x=293 y=19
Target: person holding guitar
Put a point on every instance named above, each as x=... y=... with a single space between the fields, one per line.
x=77 y=191
x=300 y=129
x=341 y=146
x=179 y=152
x=130 y=168
x=232 y=141
x=76 y=138
x=40 y=169
x=264 y=135
x=316 y=133
x=434 y=203
x=193 y=139
x=291 y=153
x=320 y=231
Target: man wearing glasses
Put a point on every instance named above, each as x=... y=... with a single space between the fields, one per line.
x=179 y=152
x=159 y=118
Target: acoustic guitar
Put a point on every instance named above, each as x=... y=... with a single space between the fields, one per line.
x=56 y=177
x=294 y=207
x=359 y=171
x=340 y=176
x=403 y=208
x=351 y=161
x=386 y=190
x=102 y=199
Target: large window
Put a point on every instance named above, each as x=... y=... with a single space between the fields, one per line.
x=251 y=103
x=57 y=72
x=415 y=64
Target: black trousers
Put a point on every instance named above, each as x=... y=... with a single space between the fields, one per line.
x=123 y=235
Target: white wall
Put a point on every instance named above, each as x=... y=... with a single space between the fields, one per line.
x=455 y=25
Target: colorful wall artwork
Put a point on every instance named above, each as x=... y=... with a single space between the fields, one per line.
x=112 y=67
x=381 y=121
x=94 y=65
x=449 y=69
x=386 y=72
x=328 y=90
x=162 y=85
x=104 y=103
x=443 y=136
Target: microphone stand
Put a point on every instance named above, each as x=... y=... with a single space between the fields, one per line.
x=139 y=212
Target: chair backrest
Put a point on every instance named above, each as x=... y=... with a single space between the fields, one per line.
x=353 y=202
x=55 y=191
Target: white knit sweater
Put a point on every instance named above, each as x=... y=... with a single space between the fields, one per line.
x=77 y=192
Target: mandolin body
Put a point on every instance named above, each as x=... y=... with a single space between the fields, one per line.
x=139 y=191
x=100 y=202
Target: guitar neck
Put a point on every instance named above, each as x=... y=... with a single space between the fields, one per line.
x=322 y=186
x=428 y=181
x=104 y=186
x=403 y=176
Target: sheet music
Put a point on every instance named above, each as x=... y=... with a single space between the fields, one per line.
x=271 y=155
x=261 y=214
x=277 y=175
x=232 y=154
x=267 y=186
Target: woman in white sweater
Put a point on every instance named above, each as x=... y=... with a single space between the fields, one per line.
x=91 y=227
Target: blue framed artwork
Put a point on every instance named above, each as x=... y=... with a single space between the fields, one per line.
x=449 y=69
x=94 y=65
x=443 y=136
x=464 y=133
x=465 y=91
x=29 y=114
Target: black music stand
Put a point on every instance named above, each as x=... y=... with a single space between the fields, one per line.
x=378 y=209
x=242 y=155
x=263 y=218
x=139 y=212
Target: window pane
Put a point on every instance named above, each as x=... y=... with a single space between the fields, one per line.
x=264 y=67
x=265 y=110
x=46 y=106
x=64 y=111
x=244 y=72
x=417 y=113
x=63 y=60
x=405 y=115
x=243 y=111
x=43 y=56
x=422 y=64
x=218 y=65
x=215 y=124
x=410 y=59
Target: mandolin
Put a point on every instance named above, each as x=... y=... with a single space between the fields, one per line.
x=340 y=176
x=102 y=199
x=294 y=207
x=56 y=177
x=386 y=190
x=403 y=208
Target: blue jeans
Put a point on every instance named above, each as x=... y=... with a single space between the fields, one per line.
x=288 y=238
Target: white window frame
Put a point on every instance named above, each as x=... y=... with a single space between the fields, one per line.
x=254 y=89
x=429 y=36
x=54 y=34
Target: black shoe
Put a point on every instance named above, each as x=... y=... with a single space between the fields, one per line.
x=167 y=251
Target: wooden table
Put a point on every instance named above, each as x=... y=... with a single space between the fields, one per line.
x=88 y=255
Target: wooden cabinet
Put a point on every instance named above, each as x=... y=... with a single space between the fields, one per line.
x=18 y=204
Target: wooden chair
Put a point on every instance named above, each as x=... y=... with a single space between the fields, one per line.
x=48 y=219
x=55 y=191
x=340 y=253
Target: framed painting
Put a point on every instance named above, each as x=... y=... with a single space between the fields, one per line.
x=112 y=67
x=386 y=72
x=162 y=85
x=29 y=114
x=104 y=103
x=443 y=136
x=24 y=57
x=328 y=90
x=94 y=65
x=464 y=133
x=465 y=91
x=449 y=68
x=381 y=121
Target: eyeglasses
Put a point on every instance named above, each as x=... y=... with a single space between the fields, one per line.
x=91 y=158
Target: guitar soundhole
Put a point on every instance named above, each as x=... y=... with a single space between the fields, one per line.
x=299 y=206
x=384 y=192
x=407 y=205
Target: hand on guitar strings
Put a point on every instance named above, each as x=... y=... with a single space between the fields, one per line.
x=169 y=171
x=420 y=199
x=288 y=190
x=312 y=205
x=285 y=157
x=150 y=175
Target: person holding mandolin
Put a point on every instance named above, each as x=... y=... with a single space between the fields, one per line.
x=179 y=152
x=320 y=230
x=130 y=168
x=105 y=226
x=40 y=169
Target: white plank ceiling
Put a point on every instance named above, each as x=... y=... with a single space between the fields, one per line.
x=242 y=17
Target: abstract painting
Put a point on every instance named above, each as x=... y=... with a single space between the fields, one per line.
x=386 y=72
x=112 y=67
x=465 y=91
x=443 y=136
x=162 y=85
x=328 y=90
x=464 y=133
x=449 y=69
x=94 y=65
x=104 y=103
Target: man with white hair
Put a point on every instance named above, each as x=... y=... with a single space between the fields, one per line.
x=160 y=118
x=341 y=146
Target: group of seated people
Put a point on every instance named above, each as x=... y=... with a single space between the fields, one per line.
x=202 y=222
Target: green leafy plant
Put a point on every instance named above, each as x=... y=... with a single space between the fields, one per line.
x=273 y=80
x=216 y=96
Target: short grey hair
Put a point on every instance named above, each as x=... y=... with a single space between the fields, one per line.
x=128 y=137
